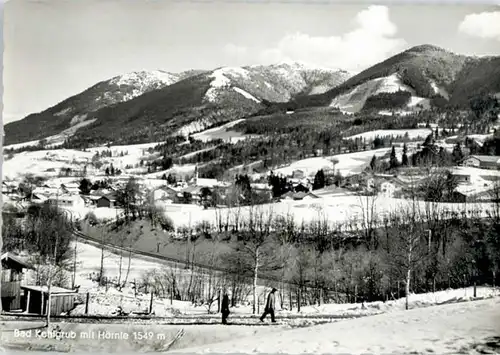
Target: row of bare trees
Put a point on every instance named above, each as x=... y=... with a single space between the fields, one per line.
x=418 y=247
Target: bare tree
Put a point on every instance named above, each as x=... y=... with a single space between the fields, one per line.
x=368 y=207
x=214 y=280
x=409 y=251
x=286 y=232
x=494 y=195
x=303 y=260
x=256 y=246
x=101 y=267
x=122 y=238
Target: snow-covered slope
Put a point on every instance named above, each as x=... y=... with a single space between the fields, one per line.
x=354 y=100
x=277 y=83
x=81 y=107
x=439 y=90
x=237 y=92
x=143 y=81
x=412 y=133
x=462 y=328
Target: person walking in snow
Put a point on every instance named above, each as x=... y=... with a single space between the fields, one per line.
x=225 y=307
x=270 y=304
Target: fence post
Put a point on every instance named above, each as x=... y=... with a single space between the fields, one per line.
x=87 y=303
x=218 y=301
x=151 y=303
x=43 y=303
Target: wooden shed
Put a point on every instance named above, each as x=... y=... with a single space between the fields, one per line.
x=10 y=278
x=35 y=299
x=108 y=200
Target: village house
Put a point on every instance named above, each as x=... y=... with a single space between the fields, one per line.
x=47 y=191
x=262 y=189
x=108 y=200
x=210 y=183
x=190 y=194
x=95 y=195
x=301 y=187
x=51 y=185
x=202 y=182
x=72 y=201
x=165 y=194
x=387 y=189
x=12 y=277
x=70 y=188
x=483 y=162
x=298 y=174
x=486 y=193
x=462 y=177
x=35 y=198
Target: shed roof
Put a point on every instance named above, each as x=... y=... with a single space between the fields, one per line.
x=45 y=289
x=17 y=259
x=486 y=158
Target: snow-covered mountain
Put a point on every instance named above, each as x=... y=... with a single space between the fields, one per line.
x=187 y=102
x=276 y=83
x=138 y=83
x=79 y=109
x=424 y=71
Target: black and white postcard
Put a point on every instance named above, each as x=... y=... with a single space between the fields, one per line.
x=250 y=177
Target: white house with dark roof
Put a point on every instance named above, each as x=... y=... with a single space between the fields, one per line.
x=202 y=182
x=483 y=161
x=65 y=200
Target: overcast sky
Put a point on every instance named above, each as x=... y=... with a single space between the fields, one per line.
x=54 y=49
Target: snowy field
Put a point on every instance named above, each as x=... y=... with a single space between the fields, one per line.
x=347 y=164
x=102 y=214
x=39 y=162
x=337 y=209
x=462 y=328
x=412 y=133
x=223 y=132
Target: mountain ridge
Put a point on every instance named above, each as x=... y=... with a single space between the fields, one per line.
x=245 y=87
x=422 y=67
x=154 y=105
